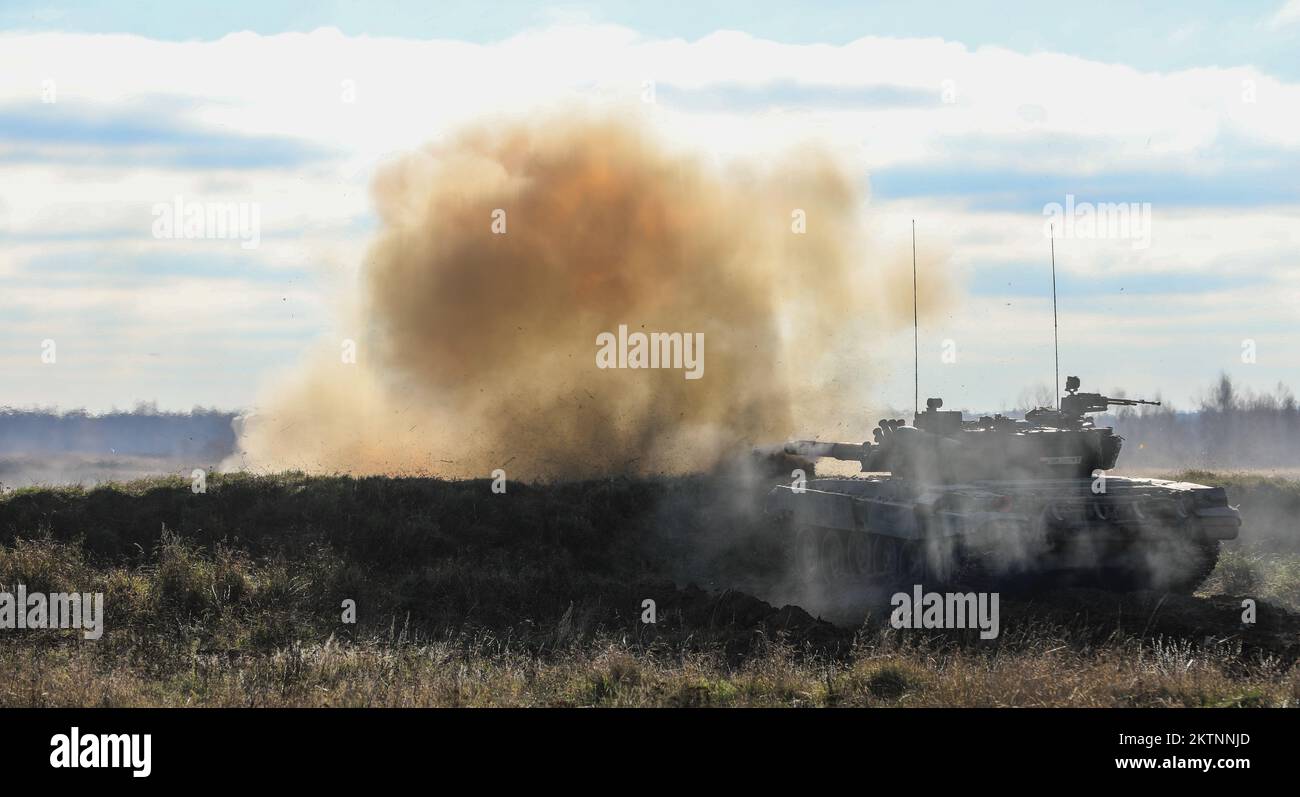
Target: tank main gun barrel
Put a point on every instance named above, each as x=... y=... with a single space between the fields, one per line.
x=814 y=449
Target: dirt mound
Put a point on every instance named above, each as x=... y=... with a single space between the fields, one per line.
x=1214 y=620
x=737 y=622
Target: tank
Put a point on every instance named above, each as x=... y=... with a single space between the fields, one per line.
x=1022 y=502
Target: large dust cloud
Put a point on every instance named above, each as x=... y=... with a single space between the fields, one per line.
x=476 y=345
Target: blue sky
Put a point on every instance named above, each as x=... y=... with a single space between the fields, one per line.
x=970 y=117
x=1163 y=35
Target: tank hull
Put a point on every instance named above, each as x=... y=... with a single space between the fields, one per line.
x=1113 y=532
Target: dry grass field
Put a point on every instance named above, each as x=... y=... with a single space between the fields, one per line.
x=235 y=597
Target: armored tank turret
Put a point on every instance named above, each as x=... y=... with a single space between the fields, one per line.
x=1005 y=497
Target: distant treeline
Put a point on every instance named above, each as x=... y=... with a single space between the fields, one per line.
x=144 y=431
x=1230 y=428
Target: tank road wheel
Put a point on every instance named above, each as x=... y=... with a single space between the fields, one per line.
x=886 y=556
x=860 y=557
x=834 y=556
x=912 y=566
x=807 y=554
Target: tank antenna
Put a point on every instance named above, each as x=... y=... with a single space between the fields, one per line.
x=1056 y=340
x=916 y=337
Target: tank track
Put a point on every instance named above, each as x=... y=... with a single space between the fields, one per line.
x=834 y=557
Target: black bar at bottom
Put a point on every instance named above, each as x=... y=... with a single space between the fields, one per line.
x=211 y=747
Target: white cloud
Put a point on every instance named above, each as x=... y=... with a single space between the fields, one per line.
x=1044 y=112
x=1288 y=14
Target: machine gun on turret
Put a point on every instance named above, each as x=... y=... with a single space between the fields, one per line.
x=1076 y=405
x=1011 y=496
x=943 y=446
